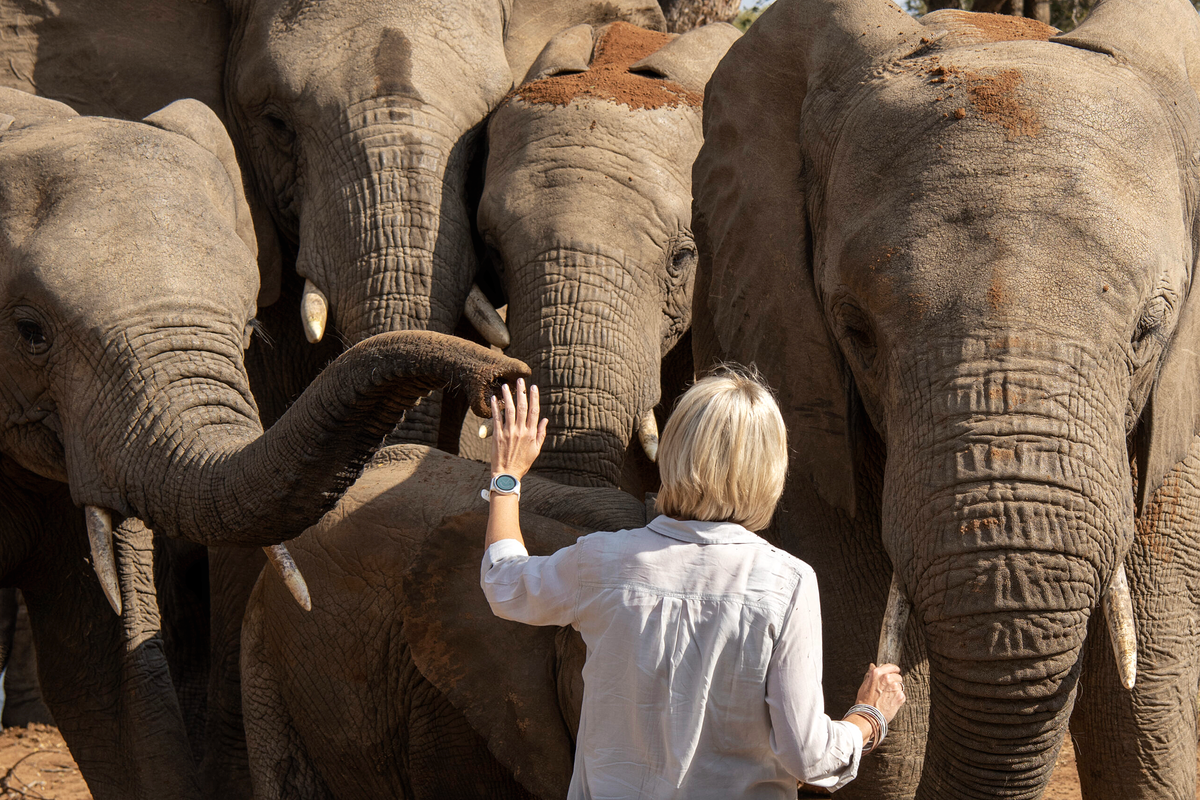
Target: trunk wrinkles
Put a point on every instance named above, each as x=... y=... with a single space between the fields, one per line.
x=1007 y=507
x=574 y=318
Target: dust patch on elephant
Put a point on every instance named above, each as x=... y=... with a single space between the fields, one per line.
x=977 y=28
x=992 y=95
x=608 y=76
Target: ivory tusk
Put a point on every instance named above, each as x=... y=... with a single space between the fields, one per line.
x=485 y=430
x=1122 y=630
x=647 y=433
x=104 y=561
x=486 y=319
x=891 y=632
x=314 y=312
x=281 y=559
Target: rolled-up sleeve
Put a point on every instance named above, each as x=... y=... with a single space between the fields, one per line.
x=536 y=590
x=814 y=748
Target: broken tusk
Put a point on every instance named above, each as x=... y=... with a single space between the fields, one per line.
x=282 y=560
x=891 y=632
x=486 y=319
x=485 y=430
x=314 y=312
x=647 y=433
x=1122 y=630
x=104 y=562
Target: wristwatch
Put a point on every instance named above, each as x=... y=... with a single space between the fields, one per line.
x=502 y=484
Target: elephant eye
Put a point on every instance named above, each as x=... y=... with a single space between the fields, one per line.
x=1153 y=320
x=682 y=260
x=280 y=130
x=857 y=331
x=33 y=336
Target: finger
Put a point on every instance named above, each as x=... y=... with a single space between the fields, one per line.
x=887 y=669
x=522 y=403
x=535 y=408
x=541 y=435
x=509 y=415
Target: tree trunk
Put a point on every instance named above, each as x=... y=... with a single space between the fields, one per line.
x=684 y=15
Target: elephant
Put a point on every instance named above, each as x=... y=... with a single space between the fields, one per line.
x=400 y=682
x=129 y=293
x=961 y=250
x=586 y=215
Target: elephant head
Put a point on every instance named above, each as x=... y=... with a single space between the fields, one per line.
x=586 y=214
x=363 y=151
x=976 y=238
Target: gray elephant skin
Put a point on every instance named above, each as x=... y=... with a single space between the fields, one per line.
x=400 y=682
x=586 y=213
x=961 y=249
x=129 y=287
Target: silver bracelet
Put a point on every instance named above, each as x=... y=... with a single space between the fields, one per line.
x=875 y=714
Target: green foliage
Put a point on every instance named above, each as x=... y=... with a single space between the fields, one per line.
x=747 y=15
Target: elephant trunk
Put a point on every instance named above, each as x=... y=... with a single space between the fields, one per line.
x=232 y=488
x=578 y=319
x=1007 y=510
x=387 y=243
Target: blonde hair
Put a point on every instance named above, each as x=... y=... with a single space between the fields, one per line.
x=723 y=455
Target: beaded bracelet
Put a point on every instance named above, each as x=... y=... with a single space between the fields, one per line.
x=879 y=726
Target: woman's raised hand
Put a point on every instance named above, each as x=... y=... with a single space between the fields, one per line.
x=882 y=688
x=518 y=433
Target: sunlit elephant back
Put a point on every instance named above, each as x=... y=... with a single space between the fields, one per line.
x=968 y=244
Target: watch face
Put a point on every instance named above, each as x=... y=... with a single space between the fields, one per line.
x=506 y=483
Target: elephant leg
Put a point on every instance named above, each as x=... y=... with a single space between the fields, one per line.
x=279 y=763
x=23 y=702
x=1142 y=744
x=105 y=677
x=225 y=770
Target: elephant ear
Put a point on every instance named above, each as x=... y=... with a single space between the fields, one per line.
x=533 y=23
x=196 y=121
x=503 y=676
x=690 y=59
x=1161 y=40
x=755 y=299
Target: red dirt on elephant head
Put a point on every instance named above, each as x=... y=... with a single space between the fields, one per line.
x=608 y=76
x=968 y=28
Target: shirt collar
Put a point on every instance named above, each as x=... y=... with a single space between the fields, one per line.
x=699 y=532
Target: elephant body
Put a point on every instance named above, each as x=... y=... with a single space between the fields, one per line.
x=961 y=251
x=400 y=682
x=129 y=289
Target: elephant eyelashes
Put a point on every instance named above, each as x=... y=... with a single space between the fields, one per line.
x=280 y=130
x=33 y=336
x=682 y=260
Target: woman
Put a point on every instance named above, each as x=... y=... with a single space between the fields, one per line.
x=703 y=670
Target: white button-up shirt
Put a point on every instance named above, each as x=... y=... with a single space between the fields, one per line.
x=703 y=671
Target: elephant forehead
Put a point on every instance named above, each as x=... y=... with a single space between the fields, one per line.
x=119 y=219
x=1046 y=159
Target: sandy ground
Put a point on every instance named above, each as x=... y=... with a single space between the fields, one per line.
x=46 y=771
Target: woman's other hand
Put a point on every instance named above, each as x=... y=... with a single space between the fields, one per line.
x=883 y=688
x=518 y=433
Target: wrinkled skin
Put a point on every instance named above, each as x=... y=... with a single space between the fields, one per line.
x=129 y=282
x=401 y=683
x=586 y=211
x=962 y=252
